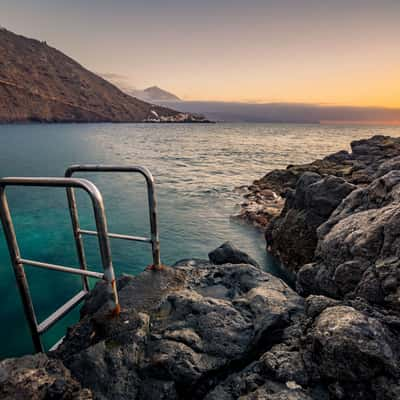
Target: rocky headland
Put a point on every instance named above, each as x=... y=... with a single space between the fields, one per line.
x=38 y=83
x=225 y=329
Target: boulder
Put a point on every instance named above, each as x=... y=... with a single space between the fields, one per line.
x=263 y=380
x=347 y=346
x=358 y=247
x=392 y=164
x=38 y=378
x=227 y=253
x=293 y=235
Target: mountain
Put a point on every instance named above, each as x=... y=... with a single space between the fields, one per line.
x=40 y=83
x=154 y=94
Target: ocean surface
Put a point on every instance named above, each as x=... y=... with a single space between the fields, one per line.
x=198 y=170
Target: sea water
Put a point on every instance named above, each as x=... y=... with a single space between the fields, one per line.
x=198 y=170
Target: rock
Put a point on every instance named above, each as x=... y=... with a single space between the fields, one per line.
x=392 y=164
x=227 y=253
x=358 y=248
x=252 y=384
x=349 y=346
x=348 y=275
x=193 y=322
x=293 y=235
x=259 y=207
x=369 y=159
x=38 y=377
x=337 y=352
x=285 y=365
x=279 y=373
x=316 y=304
x=278 y=181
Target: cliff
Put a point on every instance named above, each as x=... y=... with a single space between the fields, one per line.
x=39 y=83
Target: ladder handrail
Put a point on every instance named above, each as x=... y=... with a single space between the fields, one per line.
x=18 y=262
x=152 y=204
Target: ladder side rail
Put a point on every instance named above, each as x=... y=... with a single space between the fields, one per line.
x=20 y=276
x=151 y=197
x=101 y=226
x=80 y=249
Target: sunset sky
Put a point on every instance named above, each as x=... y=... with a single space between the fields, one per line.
x=344 y=52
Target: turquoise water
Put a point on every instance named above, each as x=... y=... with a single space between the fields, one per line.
x=198 y=169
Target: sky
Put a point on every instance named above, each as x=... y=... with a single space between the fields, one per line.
x=336 y=52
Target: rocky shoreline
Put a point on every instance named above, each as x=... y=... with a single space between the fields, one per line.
x=225 y=329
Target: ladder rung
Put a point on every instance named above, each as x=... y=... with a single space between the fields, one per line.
x=117 y=236
x=61 y=268
x=60 y=312
x=56 y=345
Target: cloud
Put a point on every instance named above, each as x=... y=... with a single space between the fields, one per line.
x=119 y=80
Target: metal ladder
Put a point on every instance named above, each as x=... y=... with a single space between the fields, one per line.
x=70 y=183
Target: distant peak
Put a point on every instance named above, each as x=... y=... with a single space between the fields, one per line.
x=154 y=93
x=154 y=88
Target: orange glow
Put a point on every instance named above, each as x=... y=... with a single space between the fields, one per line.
x=373 y=123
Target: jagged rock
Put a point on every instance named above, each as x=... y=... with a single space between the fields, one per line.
x=390 y=165
x=349 y=346
x=254 y=383
x=316 y=304
x=285 y=365
x=293 y=235
x=38 y=378
x=279 y=373
x=338 y=352
x=358 y=249
x=228 y=253
x=178 y=330
x=278 y=181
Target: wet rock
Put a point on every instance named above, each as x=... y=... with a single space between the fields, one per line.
x=38 y=377
x=228 y=253
x=260 y=207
